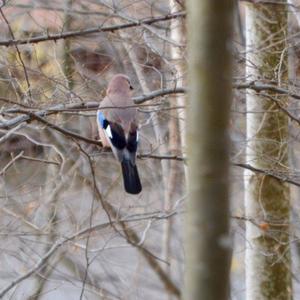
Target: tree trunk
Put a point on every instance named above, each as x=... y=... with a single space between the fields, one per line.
x=207 y=228
x=178 y=35
x=267 y=200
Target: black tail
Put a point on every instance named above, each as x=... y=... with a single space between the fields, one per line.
x=131 y=177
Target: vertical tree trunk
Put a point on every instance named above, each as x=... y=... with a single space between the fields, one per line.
x=267 y=199
x=178 y=35
x=207 y=228
x=177 y=173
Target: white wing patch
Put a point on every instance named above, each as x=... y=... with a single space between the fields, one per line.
x=108 y=132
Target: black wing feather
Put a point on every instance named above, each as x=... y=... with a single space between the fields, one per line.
x=132 y=141
x=118 y=137
x=130 y=173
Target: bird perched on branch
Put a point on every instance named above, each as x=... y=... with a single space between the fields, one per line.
x=118 y=129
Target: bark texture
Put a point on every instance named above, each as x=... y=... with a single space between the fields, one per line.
x=267 y=200
x=207 y=226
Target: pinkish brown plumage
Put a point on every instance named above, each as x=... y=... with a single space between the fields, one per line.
x=118 y=128
x=120 y=83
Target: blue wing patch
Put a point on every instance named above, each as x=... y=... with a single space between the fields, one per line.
x=112 y=130
x=101 y=119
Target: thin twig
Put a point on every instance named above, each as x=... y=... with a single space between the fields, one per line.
x=168 y=157
x=90 y=222
x=63 y=241
x=40 y=160
x=2 y=172
x=64 y=131
x=18 y=53
x=134 y=240
x=259 y=87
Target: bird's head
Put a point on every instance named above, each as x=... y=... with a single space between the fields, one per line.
x=120 y=83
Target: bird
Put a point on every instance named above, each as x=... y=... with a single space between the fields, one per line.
x=118 y=129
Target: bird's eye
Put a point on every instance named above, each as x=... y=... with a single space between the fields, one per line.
x=130 y=86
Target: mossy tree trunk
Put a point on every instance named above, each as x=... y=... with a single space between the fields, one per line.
x=207 y=220
x=267 y=203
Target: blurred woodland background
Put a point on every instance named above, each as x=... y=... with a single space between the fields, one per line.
x=57 y=185
x=68 y=230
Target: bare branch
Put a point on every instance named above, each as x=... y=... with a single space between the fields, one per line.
x=63 y=241
x=281 y=177
x=259 y=87
x=8 y=134
x=2 y=172
x=64 y=131
x=168 y=157
x=18 y=53
x=159 y=93
x=133 y=239
x=78 y=106
x=45 y=161
x=72 y=34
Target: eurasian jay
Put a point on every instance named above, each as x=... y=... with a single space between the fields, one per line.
x=118 y=129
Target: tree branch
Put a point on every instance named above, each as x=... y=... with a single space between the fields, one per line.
x=7 y=124
x=59 y=243
x=259 y=87
x=168 y=157
x=72 y=34
x=159 y=93
x=64 y=131
x=18 y=53
x=2 y=172
x=268 y=173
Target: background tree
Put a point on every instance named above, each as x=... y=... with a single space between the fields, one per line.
x=268 y=265
x=67 y=228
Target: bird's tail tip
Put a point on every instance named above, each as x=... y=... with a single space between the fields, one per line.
x=131 y=177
